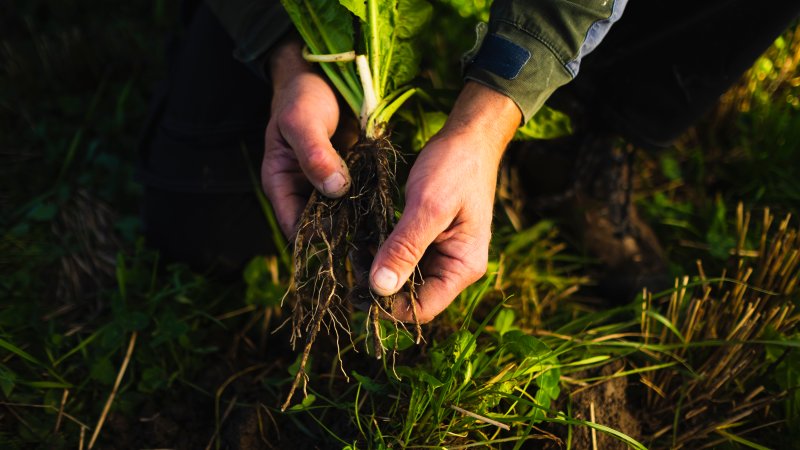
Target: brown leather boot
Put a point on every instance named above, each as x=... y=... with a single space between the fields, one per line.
x=586 y=185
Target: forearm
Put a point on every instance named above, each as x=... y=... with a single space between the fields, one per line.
x=285 y=60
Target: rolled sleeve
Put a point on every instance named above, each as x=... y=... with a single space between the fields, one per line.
x=533 y=48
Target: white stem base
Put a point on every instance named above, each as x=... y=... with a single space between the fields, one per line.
x=370 y=98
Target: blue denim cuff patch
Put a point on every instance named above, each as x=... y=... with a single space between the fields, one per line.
x=501 y=57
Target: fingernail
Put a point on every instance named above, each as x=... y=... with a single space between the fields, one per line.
x=385 y=281
x=334 y=184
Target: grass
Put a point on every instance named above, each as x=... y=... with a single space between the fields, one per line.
x=99 y=348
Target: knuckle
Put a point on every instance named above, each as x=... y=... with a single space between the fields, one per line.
x=433 y=204
x=476 y=270
x=316 y=161
x=425 y=317
x=480 y=263
x=290 y=121
x=402 y=252
x=473 y=268
x=288 y=227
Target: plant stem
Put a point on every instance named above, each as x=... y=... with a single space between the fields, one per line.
x=334 y=57
x=373 y=44
x=370 y=99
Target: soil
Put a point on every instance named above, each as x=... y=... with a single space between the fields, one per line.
x=613 y=407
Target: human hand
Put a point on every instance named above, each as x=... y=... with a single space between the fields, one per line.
x=446 y=223
x=298 y=154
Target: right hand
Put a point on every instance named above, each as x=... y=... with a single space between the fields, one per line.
x=298 y=154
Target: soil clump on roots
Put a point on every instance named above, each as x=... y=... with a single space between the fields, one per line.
x=334 y=248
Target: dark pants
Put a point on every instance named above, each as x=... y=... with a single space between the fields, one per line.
x=206 y=131
x=204 y=139
x=667 y=62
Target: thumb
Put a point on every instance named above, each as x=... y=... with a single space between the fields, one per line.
x=396 y=259
x=319 y=161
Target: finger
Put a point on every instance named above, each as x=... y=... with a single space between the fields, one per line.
x=448 y=269
x=287 y=189
x=283 y=181
x=318 y=159
x=421 y=222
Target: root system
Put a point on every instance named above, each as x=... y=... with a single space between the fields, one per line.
x=334 y=249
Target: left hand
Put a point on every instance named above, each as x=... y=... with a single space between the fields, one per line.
x=446 y=223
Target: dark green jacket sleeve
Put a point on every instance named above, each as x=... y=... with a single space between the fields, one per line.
x=532 y=47
x=254 y=25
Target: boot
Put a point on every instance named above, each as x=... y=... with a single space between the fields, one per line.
x=585 y=183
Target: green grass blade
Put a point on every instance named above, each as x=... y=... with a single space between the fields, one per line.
x=631 y=372
x=664 y=321
x=81 y=346
x=46 y=384
x=633 y=443
x=19 y=352
x=740 y=440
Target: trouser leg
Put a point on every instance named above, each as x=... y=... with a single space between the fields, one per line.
x=205 y=136
x=667 y=62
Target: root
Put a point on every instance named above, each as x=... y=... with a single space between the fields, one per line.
x=334 y=231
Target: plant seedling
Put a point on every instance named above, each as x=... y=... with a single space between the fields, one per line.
x=333 y=232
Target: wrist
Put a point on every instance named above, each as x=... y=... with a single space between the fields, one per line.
x=484 y=116
x=286 y=61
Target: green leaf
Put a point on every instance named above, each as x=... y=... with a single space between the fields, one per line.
x=305 y=404
x=169 y=328
x=403 y=66
x=547 y=123
x=464 y=344
x=428 y=124
x=419 y=374
x=550 y=383
x=261 y=290
x=357 y=7
x=379 y=33
x=411 y=17
x=7 y=381
x=396 y=338
x=325 y=26
x=391 y=31
x=543 y=400
x=525 y=346
x=368 y=383
x=152 y=379
x=334 y=25
x=103 y=371
x=504 y=321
